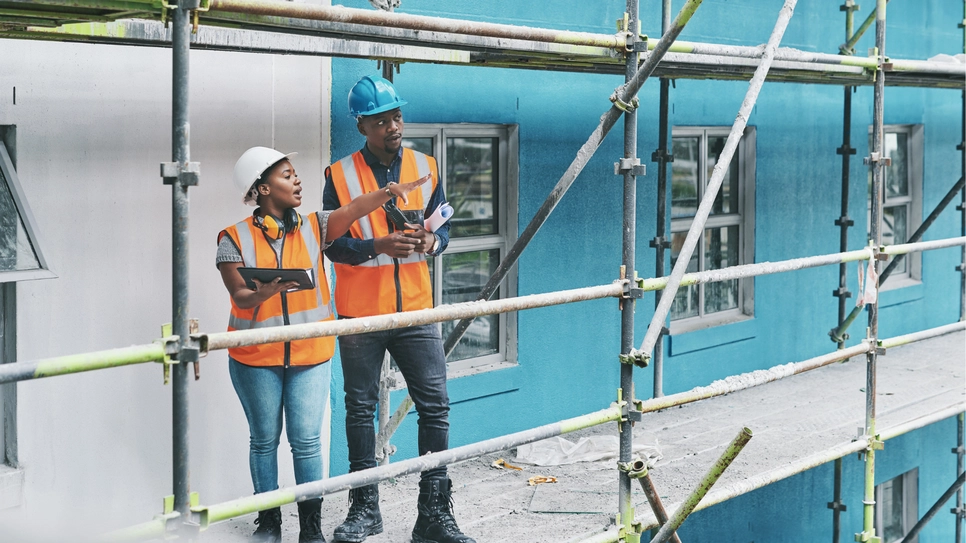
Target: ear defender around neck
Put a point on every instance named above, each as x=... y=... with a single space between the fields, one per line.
x=274 y=227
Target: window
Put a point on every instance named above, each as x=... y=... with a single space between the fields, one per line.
x=897 y=506
x=478 y=169
x=728 y=238
x=901 y=197
x=20 y=254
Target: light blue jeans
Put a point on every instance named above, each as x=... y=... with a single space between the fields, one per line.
x=301 y=392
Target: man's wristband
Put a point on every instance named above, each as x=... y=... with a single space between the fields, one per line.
x=389 y=192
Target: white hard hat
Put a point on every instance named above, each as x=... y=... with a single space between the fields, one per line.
x=250 y=167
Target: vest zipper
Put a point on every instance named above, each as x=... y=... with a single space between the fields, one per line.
x=395 y=272
x=288 y=344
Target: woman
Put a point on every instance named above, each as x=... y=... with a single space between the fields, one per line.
x=291 y=377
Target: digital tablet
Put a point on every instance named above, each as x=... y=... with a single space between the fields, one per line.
x=304 y=277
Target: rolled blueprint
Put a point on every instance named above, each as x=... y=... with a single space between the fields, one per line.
x=439 y=217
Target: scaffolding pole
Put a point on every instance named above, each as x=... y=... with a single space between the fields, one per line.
x=720 y=169
x=959 y=451
x=877 y=162
x=844 y=221
x=659 y=243
x=181 y=155
x=157 y=352
x=629 y=168
x=714 y=473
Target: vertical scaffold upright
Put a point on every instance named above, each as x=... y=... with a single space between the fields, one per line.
x=660 y=243
x=629 y=168
x=876 y=162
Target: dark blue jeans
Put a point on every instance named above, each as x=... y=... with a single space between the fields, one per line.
x=418 y=351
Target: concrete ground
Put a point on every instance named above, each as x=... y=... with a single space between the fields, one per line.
x=791 y=419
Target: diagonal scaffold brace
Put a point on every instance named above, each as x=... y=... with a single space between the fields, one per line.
x=642 y=356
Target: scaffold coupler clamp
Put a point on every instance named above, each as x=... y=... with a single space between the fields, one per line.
x=170 y=344
x=631 y=42
x=184 y=174
x=875 y=157
x=877 y=348
x=620 y=104
x=635 y=469
x=867 y=537
x=632 y=166
x=637 y=357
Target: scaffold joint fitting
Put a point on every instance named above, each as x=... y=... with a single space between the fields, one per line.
x=186 y=175
x=837 y=506
x=841 y=292
x=662 y=156
x=867 y=537
x=875 y=158
x=635 y=357
x=845 y=149
x=959 y=451
x=836 y=336
x=961 y=145
x=626 y=107
x=659 y=242
x=629 y=165
x=631 y=291
x=844 y=220
x=849 y=5
x=635 y=469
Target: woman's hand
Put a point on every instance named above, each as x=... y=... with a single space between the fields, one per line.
x=402 y=189
x=244 y=297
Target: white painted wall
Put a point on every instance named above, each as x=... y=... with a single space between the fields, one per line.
x=93 y=124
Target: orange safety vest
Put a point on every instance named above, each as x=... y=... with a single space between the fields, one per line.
x=383 y=284
x=300 y=249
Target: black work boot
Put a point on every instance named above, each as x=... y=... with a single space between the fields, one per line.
x=269 y=528
x=310 y=521
x=435 y=523
x=364 y=518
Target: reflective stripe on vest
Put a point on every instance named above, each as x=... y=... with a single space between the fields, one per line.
x=369 y=288
x=298 y=251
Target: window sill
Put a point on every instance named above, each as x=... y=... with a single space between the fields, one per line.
x=11 y=487
x=903 y=290
x=705 y=334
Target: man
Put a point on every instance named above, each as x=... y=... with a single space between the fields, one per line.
x=380 y=269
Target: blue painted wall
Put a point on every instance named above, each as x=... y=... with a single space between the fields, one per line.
x=567 y=355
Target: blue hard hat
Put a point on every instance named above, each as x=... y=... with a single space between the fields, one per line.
x=371 y=95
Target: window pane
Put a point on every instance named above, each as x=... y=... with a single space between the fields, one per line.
x=472 y=186
x=892 y=517
x=896 y=175
x=423 y=145
x=16 y=251
x=727 y=199
x=464 y=275
x=686 y=299
x=684 y=177
x=894 y=230
x=720 y=251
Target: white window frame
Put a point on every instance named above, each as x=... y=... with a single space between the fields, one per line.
x=9 y=174
x=744 y=219
x=910 y=505
x=913 y=202
x=508 y=180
